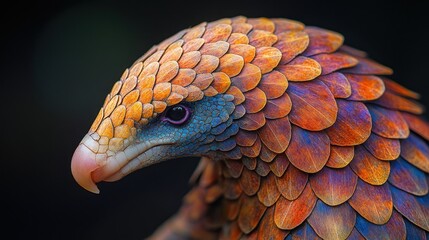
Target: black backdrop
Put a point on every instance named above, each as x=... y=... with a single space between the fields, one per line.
x=60 y=58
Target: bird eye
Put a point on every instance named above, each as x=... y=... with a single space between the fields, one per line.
x=177 y=115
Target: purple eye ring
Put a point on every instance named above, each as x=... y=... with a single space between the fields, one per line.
x=177 y=115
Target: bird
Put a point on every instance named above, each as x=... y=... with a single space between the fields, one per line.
x=300 y=136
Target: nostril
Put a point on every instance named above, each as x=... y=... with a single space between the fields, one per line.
x=82 y=165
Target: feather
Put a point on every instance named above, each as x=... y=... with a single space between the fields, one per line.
x=365 y=87
x=388 y=123
x=216 y=33
x=249 y=182
x=368 y=168
x=278 y=108
x=274 y=84
x=248 y=78
x=367 y=66
x=415 y=209
x=292 y=183
x=314 y=107
x=340 y=156
x=393 y=229
x=334 y=186
x=304 y=231
x=353 y=124
x=267 y=228
x=266 y=154
x=374 y=203
x=276 y=134
x=250 y=214
x=416 y=152
x=261 y=38
x=322 y=41
x=406 y=177
x=332 y=222
x=279 y=165
x=262 y=23
x=337 y=84
x=267 y=58
x=301 y=69
x=383 y=148
x=291 y=44
x=308 y=151
x=231 y=64
x=255 y=100
x=334 y=61
x=417 y=125
x=247 y=52
x=268 y=193
x=285 y=215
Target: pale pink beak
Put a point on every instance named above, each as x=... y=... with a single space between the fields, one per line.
x=82 y=165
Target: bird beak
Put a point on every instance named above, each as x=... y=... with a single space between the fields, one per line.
x=82 y=165
x=89 y=167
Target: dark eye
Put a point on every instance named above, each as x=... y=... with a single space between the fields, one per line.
x=177 y=115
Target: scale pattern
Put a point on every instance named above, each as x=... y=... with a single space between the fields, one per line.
x=327 y=146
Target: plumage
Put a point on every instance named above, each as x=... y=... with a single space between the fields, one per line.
x=337 y=84
x=247 y=52
x=278 y=108
x=383 y=148
x=300 y=136
x=335 y=61
x=231 y=64
x=262 y=168
x=266 y=154
x=291 y=43
x=416 y=152
x=276 y=134
x=301 y=69
x=372 y=202
x=267 y=58
x=334 y=186
x=261 y=38
x=406 y=177
x=268 y=229
x=248 y=78
x=255 y=100
x=308 y=151
x=415 y=209
x=285 y=215
x=417 y=125
x=393 y=229
x=279 y=165
x=292 y=182
x=369 y=168
x=304 y=231
x=332 y=222
x=268 y=194
x=314 y=107
x=388 y=123
x=340 y=156
x=365 y=87
x=250 y=213
x=274 y=84
x=352 y=126
x=322 y=41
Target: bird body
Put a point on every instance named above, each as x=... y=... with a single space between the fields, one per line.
x=301 y=137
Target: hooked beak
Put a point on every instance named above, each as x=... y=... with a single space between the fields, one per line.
x=82 y=165
x=89 y=168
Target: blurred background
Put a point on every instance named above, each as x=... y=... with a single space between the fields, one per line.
x=60 y=58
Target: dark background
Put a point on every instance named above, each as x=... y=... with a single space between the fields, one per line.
x=60 y=59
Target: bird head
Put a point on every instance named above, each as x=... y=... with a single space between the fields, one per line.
x=170 y=103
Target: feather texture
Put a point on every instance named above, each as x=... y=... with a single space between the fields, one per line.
x=317 y=143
